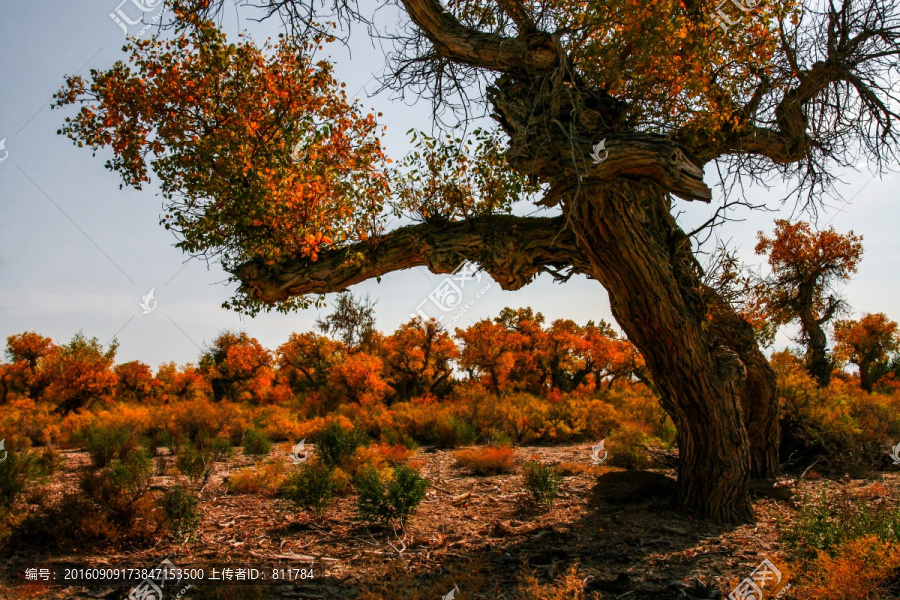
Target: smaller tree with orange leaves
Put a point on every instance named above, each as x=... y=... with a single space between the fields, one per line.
x=358 y=379
x=136 y=381
x=806 y=266
x=238 y=367
x=868 y=344
x=184 y=383
x=489 y=353
x=418 y=358
x=306 y=359
x=79 y=373
x=24 y=375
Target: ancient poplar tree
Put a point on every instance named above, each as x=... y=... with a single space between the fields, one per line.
x=669 y=87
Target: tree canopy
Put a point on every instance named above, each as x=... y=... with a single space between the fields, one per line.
x=797 y=88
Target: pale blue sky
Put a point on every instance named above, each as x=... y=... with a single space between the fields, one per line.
x=78 y=253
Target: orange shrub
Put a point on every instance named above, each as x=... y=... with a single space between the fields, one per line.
x=860 y=570
x=854 y=425
x=35 y=421
x=310 y=428
x=195 y=418
x=489 y=460
x=570 y=469
x=264 y=478
x=367 y=456
x=570 y=586
x=394 y=454
x=280 y=423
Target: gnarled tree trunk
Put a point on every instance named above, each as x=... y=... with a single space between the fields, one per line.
x=817 y=361
x=759 y=394
x=643 y=259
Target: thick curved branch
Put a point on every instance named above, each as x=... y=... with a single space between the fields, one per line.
x=513 y=250
x=631 y=155
x=534 y=53
x=761 y=141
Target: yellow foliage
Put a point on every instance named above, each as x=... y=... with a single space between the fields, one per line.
x=264 y=478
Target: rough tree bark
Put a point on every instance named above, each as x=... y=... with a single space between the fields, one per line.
x=759 y=401
x=643 y=259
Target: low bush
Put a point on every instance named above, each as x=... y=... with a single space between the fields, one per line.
x=342 y=480
x=450 y=432
x=543 y=482
x=628 y=447
x=828 y=522
x=107 y=442
x=267 y=479
x=489 y=460
x=841 y=428
x=395 y=438
x=395 y=454
x=335 y=444
x=182 y=511
x=47 y=461
x=15 y=472
x=257 y=443
x=389 y=497
x=119 y=489
x=569 y=586
x=196 y=460
x=312 y=487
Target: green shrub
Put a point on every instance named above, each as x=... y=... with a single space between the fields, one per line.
x=105 y=443
x=15 y=472
x=119 y=487
x=182 y=511
x=335 y=443
x=394 y=437
x=450 y=432
x=256 y=443
x=627 y=447
x=391 y=501
x=47 y=461
x=312 y=487
x=542 y=482
x=827 y=522
x=195 y=460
